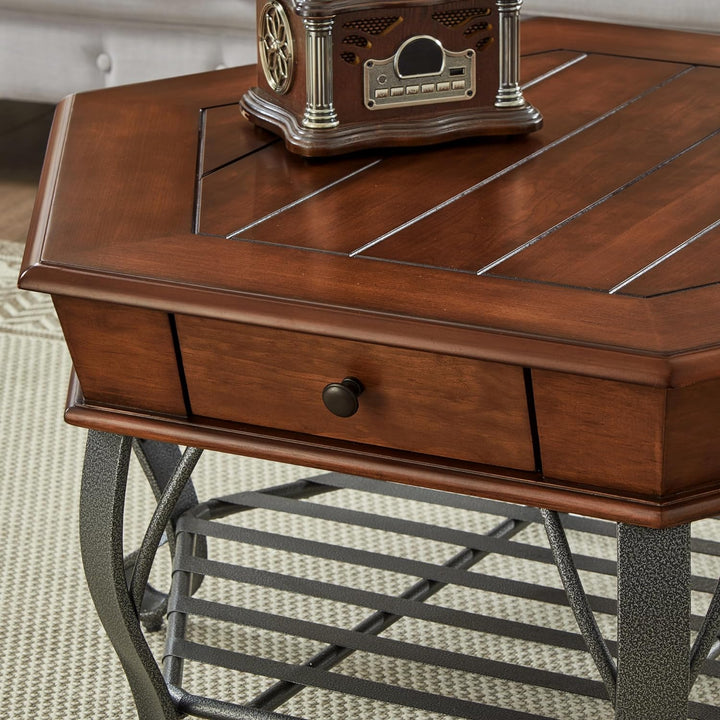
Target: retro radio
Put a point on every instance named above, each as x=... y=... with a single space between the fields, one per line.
x=341 y=75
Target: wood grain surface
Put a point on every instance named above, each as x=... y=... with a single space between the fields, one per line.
x=125 y=355
x=438 y=404
x=568 y=278
x=414 y=227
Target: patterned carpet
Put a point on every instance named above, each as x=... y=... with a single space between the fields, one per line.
x=55 y=662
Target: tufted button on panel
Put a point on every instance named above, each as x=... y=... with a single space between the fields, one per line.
x=103 y=62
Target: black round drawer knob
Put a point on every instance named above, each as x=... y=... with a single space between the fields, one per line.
x=341 y=398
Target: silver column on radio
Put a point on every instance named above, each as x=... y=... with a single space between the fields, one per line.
x=509 y=93
x=319 y=108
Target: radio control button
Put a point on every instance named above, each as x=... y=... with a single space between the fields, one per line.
x=428 y=88
x=443 y=86
x=458 y=84
x=382 y=93
x=412 y=89
x=394 y=92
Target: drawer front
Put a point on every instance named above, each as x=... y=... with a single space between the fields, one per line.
x=416 y=401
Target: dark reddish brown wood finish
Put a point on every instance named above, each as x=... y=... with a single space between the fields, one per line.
x=582 y=257
x=563 y=182
x=125 y=355
x=601 y=429
x=331 y=223
x=691 y=447
x=225 y=137
x=381 y=31
x=437 y=404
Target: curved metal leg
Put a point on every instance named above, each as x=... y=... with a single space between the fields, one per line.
x=102 y=501
x=159 y=462
x=160 y=523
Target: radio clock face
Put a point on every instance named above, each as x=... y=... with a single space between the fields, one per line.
x=275 y=46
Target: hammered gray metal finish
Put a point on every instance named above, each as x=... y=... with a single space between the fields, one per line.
x=159 y=522
x=653 y=623
x=217 y=710
x=158 y=461
x=651 y=679
x=706 y=643
x=102 y=502
x=579 y=602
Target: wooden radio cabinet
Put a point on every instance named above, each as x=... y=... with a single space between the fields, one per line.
x=338 y=75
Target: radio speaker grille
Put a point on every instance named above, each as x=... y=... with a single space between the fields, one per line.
x=452 y=18
x=476 y=28
x=356 y=40
x=375 y=25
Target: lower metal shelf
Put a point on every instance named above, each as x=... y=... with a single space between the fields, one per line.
x=369 y=592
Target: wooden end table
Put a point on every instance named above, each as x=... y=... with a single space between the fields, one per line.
x=533 y=320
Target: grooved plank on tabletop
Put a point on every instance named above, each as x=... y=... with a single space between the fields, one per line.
x=262 y=183
x=605 y=245
x=519 y=207
x=350 y=215
x=85 y=242
x=695 y=266
x=237 y=196
x=227 y=136
x=542 y=34
x=534 y=68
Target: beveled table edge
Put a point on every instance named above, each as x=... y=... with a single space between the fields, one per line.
x=656 y=369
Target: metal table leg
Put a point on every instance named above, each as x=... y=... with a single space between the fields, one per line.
x=102 y=502
x=653 y=623
x=652 y=676
x=159 y=461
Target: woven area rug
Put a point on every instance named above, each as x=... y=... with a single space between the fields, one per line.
x=55 y=662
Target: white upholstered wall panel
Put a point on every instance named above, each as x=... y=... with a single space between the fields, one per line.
x=216 y=13
x=44 y=61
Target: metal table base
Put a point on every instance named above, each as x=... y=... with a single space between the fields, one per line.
x=647 y=673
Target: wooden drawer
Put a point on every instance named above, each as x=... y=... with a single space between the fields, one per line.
x=417 y=401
